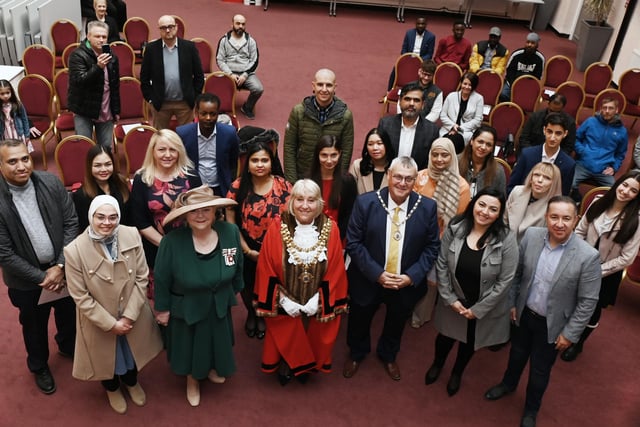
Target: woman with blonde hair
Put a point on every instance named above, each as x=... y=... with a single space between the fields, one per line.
x=442 y=182
x=527 y=203
x=166 y=172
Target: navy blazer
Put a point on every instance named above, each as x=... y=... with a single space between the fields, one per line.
x=531 y=156
x=366 y=244
x=426 y=48
x=152 y=72
x=426 y=133
x=226 y=151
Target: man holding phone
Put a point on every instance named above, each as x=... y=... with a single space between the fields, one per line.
x=94 y=85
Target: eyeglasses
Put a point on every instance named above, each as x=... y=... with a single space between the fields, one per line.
x=407 y=179
x=167 y=27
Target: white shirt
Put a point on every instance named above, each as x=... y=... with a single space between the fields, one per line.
x=418 y=43
x=407 y=135
x=549 y=159
x=391 y=228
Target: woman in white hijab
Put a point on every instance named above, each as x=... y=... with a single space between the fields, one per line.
x=107 y=277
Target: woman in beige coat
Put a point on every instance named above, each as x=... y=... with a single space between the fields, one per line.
x=107 y=277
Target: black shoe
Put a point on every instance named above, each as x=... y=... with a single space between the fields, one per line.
x=250 y=327
x=528 y=420
x=432 y=374
x=260 y=328
x=454 y=384
x=44 y=381
x=248 y=113
x=284 y=374
x=497 y=392
x=571 y=353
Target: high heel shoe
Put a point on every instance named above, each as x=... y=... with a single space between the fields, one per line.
x=250 y=327
x=284 y=374
x=260 y=328
x=193 y=391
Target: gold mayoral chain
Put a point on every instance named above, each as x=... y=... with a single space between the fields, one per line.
x=397 y=235
x=294 y=250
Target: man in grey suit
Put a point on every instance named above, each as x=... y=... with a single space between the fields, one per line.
x=410 y=135
x=553 y=295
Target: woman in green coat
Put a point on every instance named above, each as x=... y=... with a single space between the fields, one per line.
x=198 y=272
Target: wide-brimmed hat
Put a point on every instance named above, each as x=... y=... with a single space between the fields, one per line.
x=198 y=198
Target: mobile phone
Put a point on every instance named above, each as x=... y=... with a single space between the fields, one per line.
x=106 y=49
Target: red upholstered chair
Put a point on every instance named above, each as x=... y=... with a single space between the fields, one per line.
x=63 y=33
x=489 y=86
x=38 y=59
x=135 y=144
x=132 y=108
x=406 y=70
x=70 y=157
x=632 y=272
x=66 y=53
x=505 y=166
x=525 y=91
x=136 y=32
x=609 y=93
x=575 y=97
x=597 y=77
x=629 y=85
x=224 y=87
x=126 y=58
x=182 y=26
x=590 y=196
x=36 y=94
x=206 y=53
x=64 y=117
x=507 y=118
x=447 y=77
x=557 y=70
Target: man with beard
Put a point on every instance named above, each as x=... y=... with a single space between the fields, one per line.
x=526 y=60
x=489 y=54
x=419 y=41
x=601 y=145
x=237 y=57
x=454 y=48
x=320 y=114
x=211 y=146
x=410 y=135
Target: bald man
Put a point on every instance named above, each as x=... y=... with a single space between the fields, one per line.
x=237 y=57
x=171 y=75
x=319 y=114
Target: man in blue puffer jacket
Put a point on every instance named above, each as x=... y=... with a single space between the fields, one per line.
x=601 y=144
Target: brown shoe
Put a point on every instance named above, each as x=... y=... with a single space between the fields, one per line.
x=117 y=402
x=137 y=395
x=393 y=370
x=350 y=368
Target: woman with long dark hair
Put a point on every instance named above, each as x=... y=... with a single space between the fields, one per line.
x=262 y=194
x=337 y=187
x=477 y=261
x=462 y=112
x=477 y=163
x=611 y=226
x=370 y=171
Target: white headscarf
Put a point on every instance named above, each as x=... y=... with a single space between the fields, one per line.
x=109 y=243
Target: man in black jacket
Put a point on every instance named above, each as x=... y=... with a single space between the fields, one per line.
x=93 y=103
x=37 y=220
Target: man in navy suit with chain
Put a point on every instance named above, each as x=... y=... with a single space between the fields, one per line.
x=388 y=267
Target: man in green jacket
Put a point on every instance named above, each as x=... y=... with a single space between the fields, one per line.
x=320 y=114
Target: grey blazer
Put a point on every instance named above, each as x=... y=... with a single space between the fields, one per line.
x=575 y=288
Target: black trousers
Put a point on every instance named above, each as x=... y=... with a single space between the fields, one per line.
x=34 y=319
x=529 y=342
x=359 y=326
x=444 y=344
x=130 y=378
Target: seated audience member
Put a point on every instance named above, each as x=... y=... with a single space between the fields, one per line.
x=419 y=41
x=527 y=203
x=101 y=177
x=555 y=130
x=410 y=135
x=477 y=163
x=601 y=144
x=432 y=94
x=489 y=54
x=370 y=171
x=473 y=308
x=533 y=130
x=454 y=48
x=462 y=112
x=338 y=188
x=210 y=145
x=527 y=60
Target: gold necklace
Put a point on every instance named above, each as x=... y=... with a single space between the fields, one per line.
x=306 y=277
x=397 y=235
